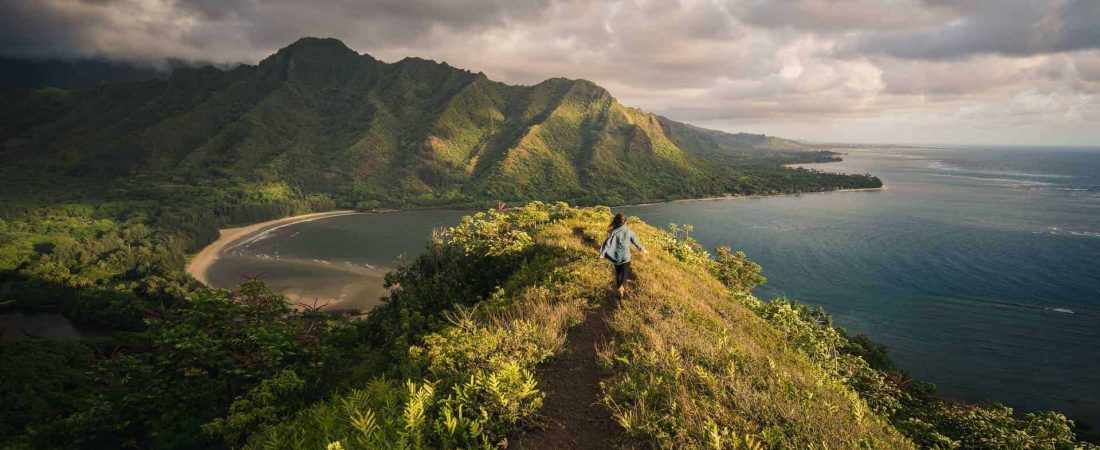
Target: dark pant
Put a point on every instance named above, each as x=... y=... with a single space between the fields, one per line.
x=621 y=270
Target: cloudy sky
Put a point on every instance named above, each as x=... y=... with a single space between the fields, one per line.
x=903 y=71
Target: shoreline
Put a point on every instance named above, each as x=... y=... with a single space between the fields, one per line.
x=198 y=266
x=201 y=262
x=746 y=197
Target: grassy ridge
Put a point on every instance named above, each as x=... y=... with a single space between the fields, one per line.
x=695 y=360
x=455 y=355
x=693 y=367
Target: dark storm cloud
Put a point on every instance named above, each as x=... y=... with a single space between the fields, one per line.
x=153 y=30
x=1018 y=28
x=26 y=31
x=277 y=22
x=839 y=16
x=785 y=65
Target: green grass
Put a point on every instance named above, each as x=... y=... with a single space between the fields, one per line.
x=692 y=367
x=453 y=357
x=688 y=367
x=695 y=361
x=469 y=383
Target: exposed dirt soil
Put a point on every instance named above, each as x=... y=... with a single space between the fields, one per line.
x=573 y=417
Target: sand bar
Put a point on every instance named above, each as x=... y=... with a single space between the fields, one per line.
x=202 y=261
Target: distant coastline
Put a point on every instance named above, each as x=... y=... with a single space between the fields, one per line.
x=731 y=196
x=740 y=197
x=200 y=264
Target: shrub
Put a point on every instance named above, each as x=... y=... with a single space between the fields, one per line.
x=468 y=323
x=735 y=270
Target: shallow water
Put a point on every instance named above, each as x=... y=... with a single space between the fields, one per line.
x=338 y=261
x=979 y=269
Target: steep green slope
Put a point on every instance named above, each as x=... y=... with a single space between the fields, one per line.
x=741 y=149
x=701 y=140
x=321 y=118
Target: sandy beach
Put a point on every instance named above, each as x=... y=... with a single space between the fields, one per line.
x=198 y=265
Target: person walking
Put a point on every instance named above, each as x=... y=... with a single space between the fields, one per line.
x=616 y=248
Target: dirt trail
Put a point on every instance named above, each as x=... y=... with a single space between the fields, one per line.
x=574 y=418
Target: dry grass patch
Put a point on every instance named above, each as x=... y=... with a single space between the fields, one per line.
x=691 y=367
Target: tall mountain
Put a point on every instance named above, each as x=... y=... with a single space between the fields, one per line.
x=318 y=117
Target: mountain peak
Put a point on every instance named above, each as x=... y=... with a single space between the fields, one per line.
x=314 y=43
x=310 y=55
x=587 y=89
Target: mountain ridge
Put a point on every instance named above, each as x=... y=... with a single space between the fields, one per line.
x=320 y=117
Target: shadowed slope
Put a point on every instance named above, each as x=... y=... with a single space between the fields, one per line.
x=319 y=118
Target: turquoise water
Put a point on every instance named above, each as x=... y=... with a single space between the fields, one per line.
x=979 y=269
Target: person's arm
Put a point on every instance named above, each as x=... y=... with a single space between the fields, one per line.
x=637 y=243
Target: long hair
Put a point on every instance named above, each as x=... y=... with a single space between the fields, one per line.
x=618 y=221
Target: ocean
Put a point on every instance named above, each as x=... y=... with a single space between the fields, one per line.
x=978 y=268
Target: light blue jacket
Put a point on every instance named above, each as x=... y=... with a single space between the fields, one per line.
x=617 y=246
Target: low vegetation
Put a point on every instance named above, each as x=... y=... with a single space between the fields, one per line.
x=104 y=257
x=698 y=361
x=466 y=381
x=453 y=358
x=690 y=367
x=209 y=370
